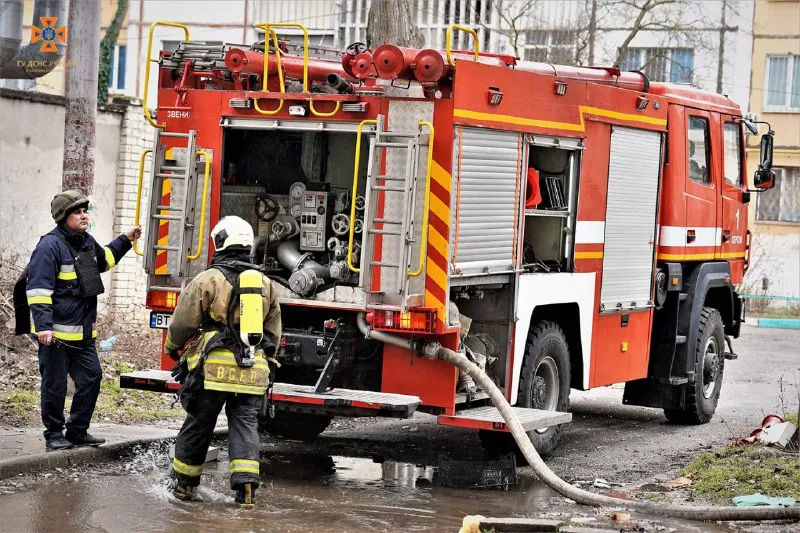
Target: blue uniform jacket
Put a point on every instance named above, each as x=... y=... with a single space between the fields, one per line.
x=52 y=288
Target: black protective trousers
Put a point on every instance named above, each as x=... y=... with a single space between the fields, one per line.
x=202 y=409
x=79 y=360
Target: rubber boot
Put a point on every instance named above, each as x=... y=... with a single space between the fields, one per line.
x=185 y=493
x=246 y=496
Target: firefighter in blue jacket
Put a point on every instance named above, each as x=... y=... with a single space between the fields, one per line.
x=62 y=287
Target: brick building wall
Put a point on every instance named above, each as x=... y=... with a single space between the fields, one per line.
x=129 y=279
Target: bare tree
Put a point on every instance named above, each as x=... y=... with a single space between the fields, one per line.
x=516 y=19
x=390 y=21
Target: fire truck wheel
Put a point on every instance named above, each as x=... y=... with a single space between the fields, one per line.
x=544 y=384
x=702 y=395
x=294 y=426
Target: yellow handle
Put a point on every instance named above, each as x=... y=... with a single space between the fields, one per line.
x=323 y=115
x=139 y=198
x=268 y=31
x=150 y=60
x=424 y=238
x=203 y=205
x=281 y=83
x=448 y=39
x=355 y=193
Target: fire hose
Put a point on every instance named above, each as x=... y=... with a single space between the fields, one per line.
x=706 y=513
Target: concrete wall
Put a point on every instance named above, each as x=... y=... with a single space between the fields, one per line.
x=31 y=155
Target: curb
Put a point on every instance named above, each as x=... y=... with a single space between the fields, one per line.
x=30 y=464
x=780 y=323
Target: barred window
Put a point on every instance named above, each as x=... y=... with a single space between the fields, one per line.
x=661 y=64
x=782 y=202
x=550 y=46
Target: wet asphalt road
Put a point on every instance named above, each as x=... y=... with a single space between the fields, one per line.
x=378 y=475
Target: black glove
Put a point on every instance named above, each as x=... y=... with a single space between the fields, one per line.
x=175 y=355
x=180 y=372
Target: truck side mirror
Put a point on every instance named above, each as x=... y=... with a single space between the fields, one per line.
x=766 y=151
x=764 y=177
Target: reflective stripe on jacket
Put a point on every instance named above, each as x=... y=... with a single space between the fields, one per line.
x=52 y=287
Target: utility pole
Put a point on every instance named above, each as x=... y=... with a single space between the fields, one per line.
x=83 y=56
x=592 y=32
x=721 y=56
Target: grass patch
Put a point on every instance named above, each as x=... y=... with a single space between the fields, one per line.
x=742 y=470
x=19 y=408
x=121 y=406
x=791 y=417
x=126 y=405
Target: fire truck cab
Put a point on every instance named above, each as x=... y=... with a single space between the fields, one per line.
x=564 y=227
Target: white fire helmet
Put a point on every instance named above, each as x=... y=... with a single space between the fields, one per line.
x=232 y=231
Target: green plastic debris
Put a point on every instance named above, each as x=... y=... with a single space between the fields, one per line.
x=760 y=499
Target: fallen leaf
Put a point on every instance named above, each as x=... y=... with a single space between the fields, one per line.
x=620 y=517
x=680 y=482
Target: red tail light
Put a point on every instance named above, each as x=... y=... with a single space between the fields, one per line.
x=415 y=321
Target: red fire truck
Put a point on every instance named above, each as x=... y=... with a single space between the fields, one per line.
x=565 y=227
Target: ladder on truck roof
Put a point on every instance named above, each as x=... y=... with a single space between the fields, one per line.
x=172 y=216
x=394 y=225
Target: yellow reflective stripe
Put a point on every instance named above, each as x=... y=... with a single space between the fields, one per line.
x=40 y=300
x=110 y=261
x=94 y=333
x=187 y=470
x=229 y=387
x=224 y=359
x=245 y=465
x=64 y=336
x=67 y=275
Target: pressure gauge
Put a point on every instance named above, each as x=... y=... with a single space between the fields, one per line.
x=296 y=210
x=297 y=190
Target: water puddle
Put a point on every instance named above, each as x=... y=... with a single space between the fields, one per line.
x=300 y=491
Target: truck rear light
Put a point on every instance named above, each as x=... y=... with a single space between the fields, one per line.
x=415 y=321
x=329 y=324
x=161 y=301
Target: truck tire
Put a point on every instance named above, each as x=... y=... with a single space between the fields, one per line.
x=702 y=395
x=294 y=426
x=544 y=384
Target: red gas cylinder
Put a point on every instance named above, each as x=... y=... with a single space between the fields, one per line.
x=392 y=62
x=362 y=66
x=430 y=66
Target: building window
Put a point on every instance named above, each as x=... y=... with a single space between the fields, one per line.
x=550 y=46
x=733 y=154
x=782 y=84
x=782 y=202
x=116 y=73
x=675 y=65
x=698 y=150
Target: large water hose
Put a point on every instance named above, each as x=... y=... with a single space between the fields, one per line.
x=437 y=351
x=706 y=513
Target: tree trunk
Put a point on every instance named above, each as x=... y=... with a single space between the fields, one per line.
x=107 y=50
x=80 y=110
x=390 y=21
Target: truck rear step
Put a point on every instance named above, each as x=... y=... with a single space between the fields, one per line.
x=488 y=417
x=335 y=402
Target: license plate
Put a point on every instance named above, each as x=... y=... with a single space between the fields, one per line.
x=159 y=320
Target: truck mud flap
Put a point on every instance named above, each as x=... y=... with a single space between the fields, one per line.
x=298 y=398
x=488 y=417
